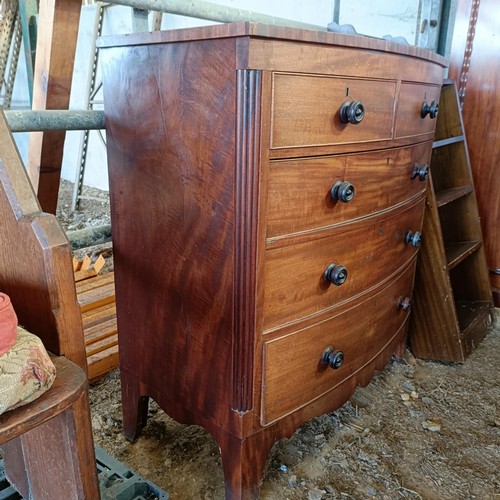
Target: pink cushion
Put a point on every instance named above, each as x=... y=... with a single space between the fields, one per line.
x=8 y=324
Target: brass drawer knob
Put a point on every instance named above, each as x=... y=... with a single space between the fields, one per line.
x=332 y=358
x=431 y=109
x=352 y=112
x=413 y=238
x=404 y=303
x=335 y=274
x=342 y=191
x=421 y=172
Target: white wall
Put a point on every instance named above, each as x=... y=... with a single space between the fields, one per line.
x=385 y=17
x=409 y=19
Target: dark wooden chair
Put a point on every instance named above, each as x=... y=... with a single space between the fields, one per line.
x=47 y=444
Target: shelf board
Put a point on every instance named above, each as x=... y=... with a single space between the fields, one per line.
x=456 y=252
x=448 y=195
x=449 y=140
x=474 y=319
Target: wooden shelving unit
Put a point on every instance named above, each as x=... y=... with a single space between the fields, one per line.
x=453 y=306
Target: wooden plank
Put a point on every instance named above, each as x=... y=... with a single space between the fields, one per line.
x=456 y=252
x=446 y=142
x=55 y=53
x=97 y=297
x=98 y=315
x=97 y=301
x=101 y=345
x=99 y=280
x=100 y=331
x=449 y=195
x=103 y=362
x=87 y=269
x=85 y=274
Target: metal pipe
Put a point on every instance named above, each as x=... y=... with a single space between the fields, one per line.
x=212 y=12
x=36 y=121
x=88 y=237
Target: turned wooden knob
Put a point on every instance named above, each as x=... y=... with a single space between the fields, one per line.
x=335 y=274
x=404 y=303
x=420 y=171
x=431 y=109
x=332 y=358
x=413 y=238
x=342 y=191
x=352 y=112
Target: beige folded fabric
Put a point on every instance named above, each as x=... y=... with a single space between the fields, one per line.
x=26 y=371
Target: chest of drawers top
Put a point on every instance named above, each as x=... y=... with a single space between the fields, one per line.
x=257 y=58
x=307 y=76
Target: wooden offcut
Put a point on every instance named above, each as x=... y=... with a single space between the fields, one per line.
x=96 y=296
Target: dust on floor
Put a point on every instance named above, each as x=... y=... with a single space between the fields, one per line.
x=419 y=430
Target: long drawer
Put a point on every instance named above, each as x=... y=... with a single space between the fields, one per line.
x=305 y=110
x=371 y=251
x=299 y=196
x=293 y=371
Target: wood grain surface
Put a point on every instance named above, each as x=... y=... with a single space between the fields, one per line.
x=295 y=360
x=299 y=190
x=68 y=386
x=408 y=118
x=316 y=121
x=295 y=284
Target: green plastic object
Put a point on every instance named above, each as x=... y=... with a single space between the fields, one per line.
x=116 y=482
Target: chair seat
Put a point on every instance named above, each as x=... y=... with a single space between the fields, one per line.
x=69 y=385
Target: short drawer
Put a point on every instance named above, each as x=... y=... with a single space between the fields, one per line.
x=409 y=118
x=299 y=191
x=371 y=251
x=293 y=371
x=306 y=110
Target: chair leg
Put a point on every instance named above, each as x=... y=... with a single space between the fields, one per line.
x=55 y=460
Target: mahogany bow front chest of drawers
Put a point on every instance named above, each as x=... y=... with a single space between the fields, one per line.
x=267 y=190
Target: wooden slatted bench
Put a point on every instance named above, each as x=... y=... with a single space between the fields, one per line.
x=96 y=296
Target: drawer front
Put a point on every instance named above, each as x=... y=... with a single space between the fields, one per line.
x=299 y=196
x=409 y=120
x=295 y=286
x=293 y=372
x=305 y=110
